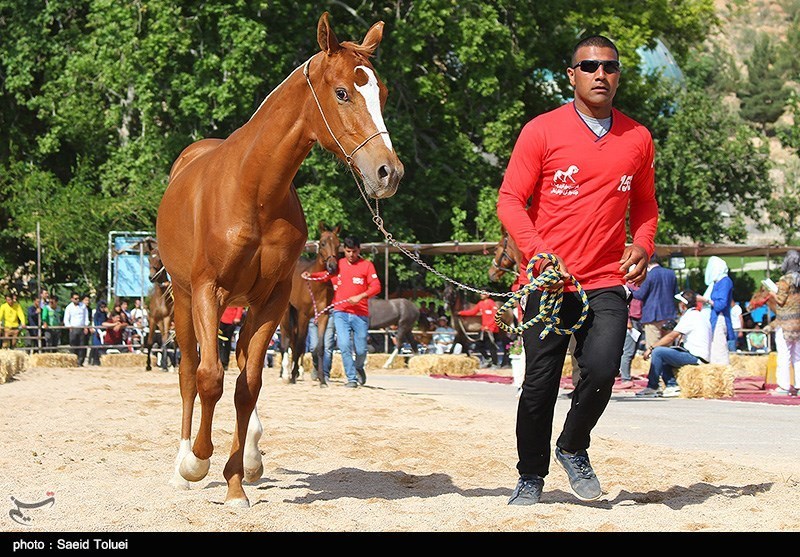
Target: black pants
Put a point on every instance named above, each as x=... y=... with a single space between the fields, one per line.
x=77 y=338
x=227 y=330
x=598 y=349
x=487 y=347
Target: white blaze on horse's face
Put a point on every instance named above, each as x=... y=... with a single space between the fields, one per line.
x=371 y=93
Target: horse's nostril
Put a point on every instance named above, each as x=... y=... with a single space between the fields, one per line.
x=383 y=172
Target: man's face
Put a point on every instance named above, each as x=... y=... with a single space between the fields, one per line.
x=594 y=91
x=352 y=254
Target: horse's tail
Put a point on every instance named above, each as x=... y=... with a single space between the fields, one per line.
x=288 y=337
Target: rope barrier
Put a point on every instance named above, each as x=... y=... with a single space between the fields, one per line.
x=550 y=303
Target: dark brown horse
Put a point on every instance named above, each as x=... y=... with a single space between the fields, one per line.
x=159 y=309
x=231 y=229
x=309 y=300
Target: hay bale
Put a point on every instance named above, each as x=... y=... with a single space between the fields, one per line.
x=706 y=381
x=11 y=363
x=380 y=359
x=123 y=359
x=749 y=365
x=54 y=359
x=457 y=365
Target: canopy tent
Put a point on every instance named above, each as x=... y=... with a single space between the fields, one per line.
x=131 y=247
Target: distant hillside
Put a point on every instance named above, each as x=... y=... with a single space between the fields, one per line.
x=741 y=22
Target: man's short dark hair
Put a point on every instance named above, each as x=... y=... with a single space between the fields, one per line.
x=351 y=242
x=599 y=41
x=656 y=259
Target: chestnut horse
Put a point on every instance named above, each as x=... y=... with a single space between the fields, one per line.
x=159 y=309
x=309 y=300
x=231 y=229
x=506 y=257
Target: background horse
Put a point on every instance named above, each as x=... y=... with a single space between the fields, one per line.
x=231 y=229
x=403 y=313
x=159 y=310
x=309 y=300
x=468 y=328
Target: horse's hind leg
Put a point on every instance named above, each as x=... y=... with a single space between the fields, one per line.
x=205 y=313
x=188 y=385
x=262 y=319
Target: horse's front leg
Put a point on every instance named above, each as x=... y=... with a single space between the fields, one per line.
x=245 y=458
x=209 y=379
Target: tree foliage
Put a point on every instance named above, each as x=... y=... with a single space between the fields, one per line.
x=99 y=97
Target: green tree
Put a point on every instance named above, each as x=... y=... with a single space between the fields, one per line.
x=708 y=163
x=764 y=94
x=783 y=207
x=98 y=97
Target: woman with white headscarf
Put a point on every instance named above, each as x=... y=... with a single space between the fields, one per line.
x=718 y=296
x=787 y=325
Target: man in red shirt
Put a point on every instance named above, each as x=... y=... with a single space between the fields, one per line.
x=231 y=318
x=353 y=286
x=486 y=308
x=574 y=176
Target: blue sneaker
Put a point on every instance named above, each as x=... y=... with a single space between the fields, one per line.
x=582 y=479
x=528 y=490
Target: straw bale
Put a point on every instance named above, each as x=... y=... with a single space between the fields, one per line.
x=379 y=360
x=749 y=365
x=54 y=359
x=11 y=363
x=124 y=359
x=447 y=364
x=706 y=381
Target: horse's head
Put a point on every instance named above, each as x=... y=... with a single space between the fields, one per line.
x=504 y=258
x=329 y=247
x=350 y=98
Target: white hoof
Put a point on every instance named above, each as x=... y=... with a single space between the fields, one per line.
x=253 y=474
x=239 y=503
x=193 y=468
x=178 y=482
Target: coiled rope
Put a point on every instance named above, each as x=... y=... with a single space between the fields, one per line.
x=550 y=303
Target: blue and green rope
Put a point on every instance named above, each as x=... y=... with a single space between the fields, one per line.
x=550 y=303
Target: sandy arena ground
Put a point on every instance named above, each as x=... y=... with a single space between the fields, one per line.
x=101 y=443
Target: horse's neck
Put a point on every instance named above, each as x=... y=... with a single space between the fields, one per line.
x=278 y=131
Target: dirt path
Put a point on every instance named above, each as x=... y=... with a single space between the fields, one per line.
x=102 y=443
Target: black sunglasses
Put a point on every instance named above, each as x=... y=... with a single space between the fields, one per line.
x=590 y=66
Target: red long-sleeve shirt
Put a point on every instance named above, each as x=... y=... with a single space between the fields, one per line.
x=232 y=314
x=353 y=279
x=580 y=188
x=487 y=308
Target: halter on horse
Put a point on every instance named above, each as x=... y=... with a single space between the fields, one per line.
x=309 y=301
x=231 y=229
x=506 y=257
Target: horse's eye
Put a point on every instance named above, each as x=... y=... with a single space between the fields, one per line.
x=341 y=94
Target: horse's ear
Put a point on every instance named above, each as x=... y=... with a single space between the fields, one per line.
x=322 y=226
x=325 y=37
x=337 y=229
x=373 y=38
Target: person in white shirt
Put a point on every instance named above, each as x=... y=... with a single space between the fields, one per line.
x=693 y=332
x=76 y=317
x=736 y=319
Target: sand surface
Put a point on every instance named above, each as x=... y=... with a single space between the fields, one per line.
x=101 y=443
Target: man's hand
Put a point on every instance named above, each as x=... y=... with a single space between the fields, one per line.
x=561 y=269
x=636 y=255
